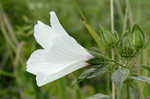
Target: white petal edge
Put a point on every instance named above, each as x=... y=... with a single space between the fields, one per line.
x=56 y=25
x=43 y=79
x=44 y=34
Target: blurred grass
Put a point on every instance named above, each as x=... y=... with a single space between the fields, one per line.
x=17 y=18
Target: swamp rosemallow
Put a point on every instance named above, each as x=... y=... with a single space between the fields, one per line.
x=61 y=54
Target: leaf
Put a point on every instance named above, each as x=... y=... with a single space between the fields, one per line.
x=98 y=72
x=97 y=61
x=93 y=72
x=141 y=78
x=87 y=73
x=120 y=75
x=95 y=49
x=99 y=96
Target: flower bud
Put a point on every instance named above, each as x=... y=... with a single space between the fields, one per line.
x=110 y=39
x=126 y=49
x=127 y=52
x=138 y=38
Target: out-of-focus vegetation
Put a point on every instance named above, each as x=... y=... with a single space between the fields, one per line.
x=17 y=19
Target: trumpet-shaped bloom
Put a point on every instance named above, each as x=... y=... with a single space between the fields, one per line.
x=61 y=54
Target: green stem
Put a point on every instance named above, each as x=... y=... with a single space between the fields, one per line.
x=113 y=54
x=129 y=12
x=113 y=84
x=107 y=58
x=112 y=15
x=125 y=21
x=95 y=36
x=108 y=83
x=128 y=91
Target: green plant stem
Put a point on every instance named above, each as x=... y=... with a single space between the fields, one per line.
x=128 y=91
x=119 y=8
x=112 y=15
x=129 y=12
x=109 y=59
x=108 y=83
x=125 y=20
x=113 y=90
x=113 y=84
x=95 y=36
x=141 y=85
x=113 y=54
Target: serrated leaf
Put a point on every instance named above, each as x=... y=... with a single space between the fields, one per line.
x=141 y=78
x=99 y=96
x=120 y=75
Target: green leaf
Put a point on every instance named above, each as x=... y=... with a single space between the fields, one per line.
x=99 y=96
x=95 y=53
x=141 y=78
x=120 y=75
x=93 y=72
x=87 y=73
x=98 y=72
x=95 y=49
x=96 y=61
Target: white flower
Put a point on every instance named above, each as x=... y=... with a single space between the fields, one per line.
x=61 y=54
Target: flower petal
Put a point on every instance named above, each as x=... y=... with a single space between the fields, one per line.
x=58 y=28
x=39 y=62
x=43 y=79
x=48 y=71
x=66 y=49
x=44 y=34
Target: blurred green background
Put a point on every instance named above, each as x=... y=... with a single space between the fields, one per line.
x=17 y=19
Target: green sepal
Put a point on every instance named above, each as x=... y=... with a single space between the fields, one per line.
x=110 y=39
x=138 y=37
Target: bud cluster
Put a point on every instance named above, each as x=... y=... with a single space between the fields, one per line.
x=132 y=42
x=128 y=44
